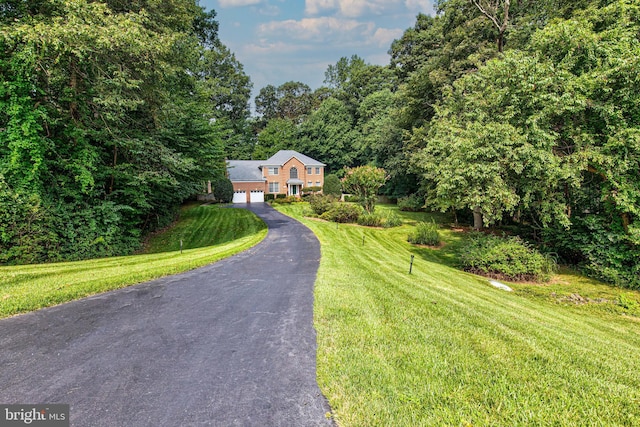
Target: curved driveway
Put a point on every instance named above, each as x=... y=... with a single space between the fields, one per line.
x=230 y=344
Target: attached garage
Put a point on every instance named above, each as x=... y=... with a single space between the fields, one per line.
x=239 y=197
x=256 y=196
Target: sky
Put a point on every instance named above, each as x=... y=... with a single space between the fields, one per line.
x=296 y=40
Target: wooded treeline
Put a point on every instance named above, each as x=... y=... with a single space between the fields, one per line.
x=112 y=113
x=521 y=113
x=516 y=113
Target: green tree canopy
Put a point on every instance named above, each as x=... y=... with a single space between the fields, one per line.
x=364 y=182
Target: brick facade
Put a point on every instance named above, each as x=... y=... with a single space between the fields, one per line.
x=284 y=177
x=287 y=172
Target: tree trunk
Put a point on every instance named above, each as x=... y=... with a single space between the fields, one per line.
x=477 y=218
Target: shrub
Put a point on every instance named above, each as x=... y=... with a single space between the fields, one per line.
x=281 y=196
x=505 y=257
x=332 y=186
x=343 y=213
x=223 y=190
x=600 y=247
x=269 y=197
x=391 y=219
x=411 y=203
x=321 y=203
x=386 y=220
x=351 y=198
x=311 y=190
x=287 y=200
x=426 y=233
x=371 y=220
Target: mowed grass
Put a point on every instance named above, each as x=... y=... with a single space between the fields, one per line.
x=441 y=347
x=209 y=233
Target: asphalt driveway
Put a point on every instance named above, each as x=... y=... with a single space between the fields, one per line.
x=229 y=344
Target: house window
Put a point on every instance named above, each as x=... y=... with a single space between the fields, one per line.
x=274 y=187
x=293 y=173
x=317 y=171
x=317 y=183
x=309 y=183
x=309 y=171
x=273 y=170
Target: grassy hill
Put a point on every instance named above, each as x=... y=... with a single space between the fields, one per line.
x=443 y=347
x=209 y=233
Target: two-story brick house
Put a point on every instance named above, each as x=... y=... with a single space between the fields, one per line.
x=286 y=172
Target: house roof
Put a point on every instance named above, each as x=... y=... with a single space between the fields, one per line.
x=283 y=156
x=245 y=170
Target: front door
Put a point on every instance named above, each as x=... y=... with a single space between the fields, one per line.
x=294 y=190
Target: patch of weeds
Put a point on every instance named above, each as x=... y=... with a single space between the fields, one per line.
x=629 y=303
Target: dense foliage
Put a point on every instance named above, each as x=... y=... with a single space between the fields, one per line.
x=364 y=182
x=505 y=257
x=106 y=123
x=223 y=190
x=343 y=212
x=522 y=113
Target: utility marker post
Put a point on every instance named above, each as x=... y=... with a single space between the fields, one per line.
x=180 y=246
x=411 y=265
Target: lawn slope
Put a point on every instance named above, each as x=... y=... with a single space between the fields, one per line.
x=209 y=233
x=442 y=347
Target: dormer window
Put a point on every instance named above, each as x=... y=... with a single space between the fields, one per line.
x=273 y=170
x=293 y=173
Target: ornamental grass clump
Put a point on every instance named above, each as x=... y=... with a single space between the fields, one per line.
x=384 y=220
x=426 y=233
x=508 y=258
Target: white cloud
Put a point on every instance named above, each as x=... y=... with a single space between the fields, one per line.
x=384 y=36
x=270 y=10
x=359 y=8
x=314 y=7
x=319 y=30
x=424 y=6
x=237 y=3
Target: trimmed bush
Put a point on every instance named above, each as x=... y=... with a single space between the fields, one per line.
x=505 y=257
x=426 y=233
x=332 y=186
x=223 y=190
x=321 y=203
x=269 y=197
x=312 y=189
x=343 y=213
x=287 y=200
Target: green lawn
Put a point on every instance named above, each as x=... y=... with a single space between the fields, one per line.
x=443 y=347
x=209 y=233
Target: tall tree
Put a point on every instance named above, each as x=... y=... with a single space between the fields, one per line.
x=329 y=135
x=103 y=115
x=497 y=11
x=551 y=134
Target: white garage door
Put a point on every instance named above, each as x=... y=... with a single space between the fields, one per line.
x=240 y=197
x=257 y=196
